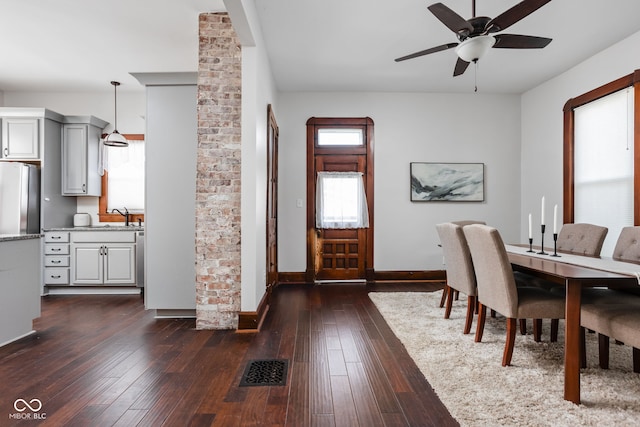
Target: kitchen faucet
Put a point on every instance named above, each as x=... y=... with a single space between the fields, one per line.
x=125 y=215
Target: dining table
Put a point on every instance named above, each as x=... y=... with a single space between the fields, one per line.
x=574 y=272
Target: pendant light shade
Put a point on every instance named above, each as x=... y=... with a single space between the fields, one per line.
x=115 y=138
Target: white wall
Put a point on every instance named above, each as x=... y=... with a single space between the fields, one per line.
x=408 y=128
x=258 y=90
x=542 y=126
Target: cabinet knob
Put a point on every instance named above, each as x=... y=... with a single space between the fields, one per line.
x=6 y=151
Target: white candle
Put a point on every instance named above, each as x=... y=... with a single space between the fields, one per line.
x=542 y=213
x=530 y=233
x=555 y=219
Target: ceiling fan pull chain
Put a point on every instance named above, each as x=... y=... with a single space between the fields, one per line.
x=475 y=75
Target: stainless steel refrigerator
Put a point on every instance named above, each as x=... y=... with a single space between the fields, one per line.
x=19 y=198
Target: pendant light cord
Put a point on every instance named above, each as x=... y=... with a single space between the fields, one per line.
x=115 y=104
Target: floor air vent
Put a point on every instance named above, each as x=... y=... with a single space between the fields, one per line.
x=271 y=372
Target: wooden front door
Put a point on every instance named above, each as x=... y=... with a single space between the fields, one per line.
x=339 y=253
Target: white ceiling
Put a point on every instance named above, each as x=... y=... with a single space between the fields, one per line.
x=313 y=45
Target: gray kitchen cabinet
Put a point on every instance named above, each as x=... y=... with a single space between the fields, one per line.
x=81 y=156
x=34 y=135
x=20 y=138
x=56 y=258
x=103 y=258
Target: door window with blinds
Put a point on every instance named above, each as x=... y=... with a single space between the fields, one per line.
x=604 y=164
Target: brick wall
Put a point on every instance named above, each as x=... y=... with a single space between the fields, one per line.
x=218 y=175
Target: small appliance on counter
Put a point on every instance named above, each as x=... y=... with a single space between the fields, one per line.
x=82 y=220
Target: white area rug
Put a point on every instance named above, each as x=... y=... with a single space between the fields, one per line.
x=470 y=380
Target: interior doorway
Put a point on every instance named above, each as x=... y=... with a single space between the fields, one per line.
x=339 y=199
x=272 y=200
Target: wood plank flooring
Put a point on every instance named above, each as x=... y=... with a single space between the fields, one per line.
x=105 y=361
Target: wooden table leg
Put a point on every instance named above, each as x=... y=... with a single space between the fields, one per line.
x=572 y=342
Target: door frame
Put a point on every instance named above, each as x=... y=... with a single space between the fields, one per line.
x=312 y=149
x=272 y=201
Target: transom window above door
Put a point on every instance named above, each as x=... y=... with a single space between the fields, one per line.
x=340 y=137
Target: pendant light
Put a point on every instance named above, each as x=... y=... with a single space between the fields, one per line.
x=115 y=139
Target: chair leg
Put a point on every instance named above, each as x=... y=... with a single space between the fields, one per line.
x=603 y=351
x=482 y=315
x=471 y=306
x=554 y=330
x=511 y=339
x=523 y=326
x=493 y=313
x=636 y=360
x=583 y=348
x=457 y=294
x=537 y=329
x=443 y=298
x=449 y=303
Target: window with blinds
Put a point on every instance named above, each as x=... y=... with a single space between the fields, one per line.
x=603 y=164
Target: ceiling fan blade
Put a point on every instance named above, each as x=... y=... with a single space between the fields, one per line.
x=452 y=20
x=513 y=15
x=427 y=51
x=518 y=41
x=461 y=67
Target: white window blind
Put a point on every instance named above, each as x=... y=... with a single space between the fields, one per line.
x=341 y=201
x=126 y=177
x=603 y=175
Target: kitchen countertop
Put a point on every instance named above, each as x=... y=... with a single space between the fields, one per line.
x=10 y=237
x=99 y=228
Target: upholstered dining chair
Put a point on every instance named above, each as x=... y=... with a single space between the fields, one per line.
x=578 y=239
x=497 y=288
x=445 y=290
x=459 y=268
x=599 y=302
x=618 y=321
x=582 y=239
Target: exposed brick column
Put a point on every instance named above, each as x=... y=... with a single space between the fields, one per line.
x=218 y=175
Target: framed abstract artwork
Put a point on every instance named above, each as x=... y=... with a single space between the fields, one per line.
x=447 y=182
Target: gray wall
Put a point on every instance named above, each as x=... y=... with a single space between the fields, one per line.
x=424 y=127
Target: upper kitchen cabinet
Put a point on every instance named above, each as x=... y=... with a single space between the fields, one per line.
x=20 y=138
x=81 y=156
x=24 y=131
x=34 y=135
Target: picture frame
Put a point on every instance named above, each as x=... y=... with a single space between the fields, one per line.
x=447 y=182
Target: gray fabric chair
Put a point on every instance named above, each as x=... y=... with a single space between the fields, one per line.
x=618 y=321
x=581 y=239
x=497 y=288
x=460 y=274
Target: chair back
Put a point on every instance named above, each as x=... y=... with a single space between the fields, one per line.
x=464 y=222
x=582 y=239
x=628 y=245
x=457 y=258
x=494 y=276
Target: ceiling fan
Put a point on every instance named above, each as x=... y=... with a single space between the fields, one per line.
x=477 y=34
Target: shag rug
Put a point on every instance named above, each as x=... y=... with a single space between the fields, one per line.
x=469 y=379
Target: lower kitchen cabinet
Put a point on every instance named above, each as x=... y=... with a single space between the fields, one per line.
x=89 y=258
x=103 y=264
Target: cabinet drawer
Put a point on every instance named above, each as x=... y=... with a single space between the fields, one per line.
x=53 y=249
x=56 y=276
x=56 y=261
x=103 y=237
x=56 y=237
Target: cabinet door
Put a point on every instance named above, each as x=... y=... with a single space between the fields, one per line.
x=74 y=160
x=120 y=264
x=87 y=264
x=20 y=138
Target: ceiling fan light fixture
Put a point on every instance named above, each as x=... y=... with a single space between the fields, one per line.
x=115 y=138
x=474 y=48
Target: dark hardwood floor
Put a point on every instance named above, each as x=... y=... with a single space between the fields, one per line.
x=105 y=361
